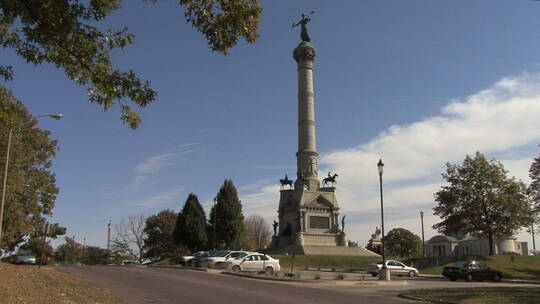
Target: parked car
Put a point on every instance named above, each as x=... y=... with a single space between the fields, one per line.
x=471 y=270
x=254 y=262
x=194 y=262
x=25 y=259
x=186 y=258
x=395 y=267
x=221 y=258
x=68 y=263
x=130 y=263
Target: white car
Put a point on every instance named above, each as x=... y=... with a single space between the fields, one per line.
x=255 y=262
x=395 y=267
x=219 y=260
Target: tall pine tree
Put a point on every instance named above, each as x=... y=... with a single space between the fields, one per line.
x=190 y=230
x=229 y=218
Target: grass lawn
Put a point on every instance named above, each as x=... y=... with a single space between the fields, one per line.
x=325 y=262
x=30 y=284
x=501 y=295
x=523 y=267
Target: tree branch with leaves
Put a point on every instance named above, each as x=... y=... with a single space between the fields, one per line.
x=62 y=32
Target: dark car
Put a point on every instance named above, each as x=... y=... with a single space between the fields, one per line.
x=471 y=270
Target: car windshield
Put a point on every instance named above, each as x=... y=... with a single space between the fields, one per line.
x=379 y=263
x=198 y=253
x=237 y=255
x=222 y=253
x=460 y=264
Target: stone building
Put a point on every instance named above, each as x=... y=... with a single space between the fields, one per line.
x=442 y=245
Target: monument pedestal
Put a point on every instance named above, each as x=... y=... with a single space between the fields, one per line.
x=309 y=218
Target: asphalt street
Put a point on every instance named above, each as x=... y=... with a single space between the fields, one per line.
x=166 y=285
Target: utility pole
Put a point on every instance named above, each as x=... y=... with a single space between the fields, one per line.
x=83 y=259
x=108 y=242
x=423 y=242
x=215 y=220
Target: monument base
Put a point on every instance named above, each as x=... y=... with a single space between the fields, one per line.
x=321 y=250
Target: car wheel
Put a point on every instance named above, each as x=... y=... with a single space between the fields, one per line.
x=269 y=270
x=236 y=268
x=469 y=278
x=497 y=278
x=453 y=279
x=412 y=274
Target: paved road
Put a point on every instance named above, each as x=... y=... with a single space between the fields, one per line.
x=164 y=285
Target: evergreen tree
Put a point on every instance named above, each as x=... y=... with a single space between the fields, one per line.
x=481 y=200
x=534 y=187
x=534 y=193
x=190 y=230
x=229 y=218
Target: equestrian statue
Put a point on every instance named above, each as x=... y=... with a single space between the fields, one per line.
x=330 y=179
x=286 y=181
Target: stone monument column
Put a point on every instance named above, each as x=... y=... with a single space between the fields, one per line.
x=307 y=155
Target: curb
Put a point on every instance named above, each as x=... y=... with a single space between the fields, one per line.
x=178 y=267
x=277 y=279
x=331 y=282
x=404 y=296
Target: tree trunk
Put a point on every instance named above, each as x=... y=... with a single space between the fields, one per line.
x=490 y=239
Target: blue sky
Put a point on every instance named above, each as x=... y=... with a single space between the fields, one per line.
x=418 y=83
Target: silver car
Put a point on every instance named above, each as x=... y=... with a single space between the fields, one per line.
x=25 y=259
x=220 y=259
x=395 y=268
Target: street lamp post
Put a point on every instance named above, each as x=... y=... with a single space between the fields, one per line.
x=108 y=243
x=384 y=274
x=423 y=242
x=215 y=220
x=6 y=167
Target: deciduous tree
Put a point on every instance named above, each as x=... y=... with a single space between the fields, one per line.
x=70 y=251
x=159 y=239
x=190 y=230
x=130 y=231
x=67 y=34
x=481 y=200
x=31 y=186
x=94 y=255
x=402 y=243
x=257 y=232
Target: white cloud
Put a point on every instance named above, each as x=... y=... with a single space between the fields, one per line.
x=155 y=163
x=160 y=199
x=502 y=119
